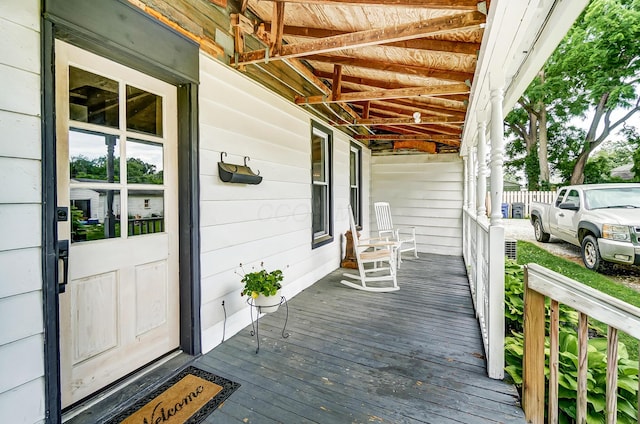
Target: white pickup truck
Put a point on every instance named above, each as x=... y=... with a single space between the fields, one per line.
x=603 y=219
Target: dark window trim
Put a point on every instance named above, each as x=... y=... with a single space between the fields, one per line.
x=359 y=149
x=327 y=238
x=85 y=33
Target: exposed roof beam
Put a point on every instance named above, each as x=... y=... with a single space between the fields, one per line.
x=440 y=25
x=388 y=94
x=422 y=146
x=450 y=141
x=432 y=4
x=394 y=67
x=454 y=133
x=277 y=29
x=433 y=137
x=418 y=44
x=429 y=120
x=336 y=86
x=390 y=109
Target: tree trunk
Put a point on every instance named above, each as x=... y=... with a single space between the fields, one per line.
x=590 y=142
x=543 y=155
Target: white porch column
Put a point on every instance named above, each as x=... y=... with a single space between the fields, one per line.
x=465 y=182
x=497 y=149
x=495 y=324
x=482 y=165
x=471 y=178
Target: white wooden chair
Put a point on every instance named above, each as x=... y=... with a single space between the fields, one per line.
x=405 y=237
x=369 y=251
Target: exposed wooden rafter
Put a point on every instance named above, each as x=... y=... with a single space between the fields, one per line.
x=388 y=94
x=440 y=25
x=336 y=85
x=433 y=4
x=406 y=121
x=418 y=44
x=276 y=29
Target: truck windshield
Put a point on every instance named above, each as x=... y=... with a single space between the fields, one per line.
x=622 y=197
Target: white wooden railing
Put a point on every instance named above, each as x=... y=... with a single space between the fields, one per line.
x=618 y=315
x=526 y=197
x=484 y=256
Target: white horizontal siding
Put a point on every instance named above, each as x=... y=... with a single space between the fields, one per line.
x=21 y=319
x=426 y=192
x=268 y=222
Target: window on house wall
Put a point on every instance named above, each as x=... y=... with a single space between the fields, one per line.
x=321 y=182
x=355 y=180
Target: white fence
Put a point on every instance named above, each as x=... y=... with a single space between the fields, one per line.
x=526 y=197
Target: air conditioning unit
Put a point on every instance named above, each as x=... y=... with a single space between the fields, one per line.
x=510 y=249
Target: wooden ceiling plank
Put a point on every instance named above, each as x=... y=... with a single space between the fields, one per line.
x=432 y=4
x=394 y=67
x=388 y=94
x=440 y=25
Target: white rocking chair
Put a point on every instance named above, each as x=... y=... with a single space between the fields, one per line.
x=383 y=251
x=405 y=237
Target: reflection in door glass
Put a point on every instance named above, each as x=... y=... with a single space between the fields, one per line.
x=144 y=162
x=144 y=111
x=146 y=212
x=94 y=156
x=95 y=214
x=92 y=98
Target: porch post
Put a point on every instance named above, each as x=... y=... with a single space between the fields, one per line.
x=497 y=149
x=495 y=360
x=482 y=165
x=471 y=175
x=465 y=181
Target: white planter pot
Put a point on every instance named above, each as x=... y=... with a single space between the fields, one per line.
x=267 y=303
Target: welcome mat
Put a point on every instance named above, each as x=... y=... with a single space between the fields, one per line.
x=186 y=398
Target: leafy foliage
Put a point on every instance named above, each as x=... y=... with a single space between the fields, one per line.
x=261 y=282
x=594 y=71
x=568 y=360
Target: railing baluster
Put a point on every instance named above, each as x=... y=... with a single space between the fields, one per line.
x=554 y=332
x=583 y=341
x=533 y=361
x=612 y=375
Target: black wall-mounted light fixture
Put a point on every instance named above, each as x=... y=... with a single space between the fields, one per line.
x=242 y=174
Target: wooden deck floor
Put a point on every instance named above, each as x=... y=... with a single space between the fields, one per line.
x=411 y=356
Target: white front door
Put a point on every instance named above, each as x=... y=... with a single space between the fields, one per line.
x=116 y=133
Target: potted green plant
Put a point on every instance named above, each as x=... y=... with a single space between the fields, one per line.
x=264 y=287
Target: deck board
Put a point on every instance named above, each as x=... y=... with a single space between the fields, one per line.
x=411 y=356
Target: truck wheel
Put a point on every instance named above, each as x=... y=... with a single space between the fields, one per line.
x=540 y=234
x=591 y=255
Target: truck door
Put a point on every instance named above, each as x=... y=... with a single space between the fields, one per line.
x=567 y=225
x=553 y=212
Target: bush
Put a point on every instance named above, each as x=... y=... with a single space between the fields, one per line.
x=568 y=359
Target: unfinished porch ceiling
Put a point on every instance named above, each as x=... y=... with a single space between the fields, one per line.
x=394 y=74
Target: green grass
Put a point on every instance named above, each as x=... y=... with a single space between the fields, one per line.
x=528 y=253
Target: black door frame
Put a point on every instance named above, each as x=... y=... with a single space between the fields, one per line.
x=109 y=28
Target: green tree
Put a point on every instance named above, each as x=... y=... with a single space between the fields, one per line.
x=599 y=65
x=593 y=72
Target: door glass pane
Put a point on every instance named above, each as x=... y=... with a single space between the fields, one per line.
x=144 y=162
x=94 y=156
x=95 y=214
x=146 y=212
x=93 y=98
x=144 y=111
